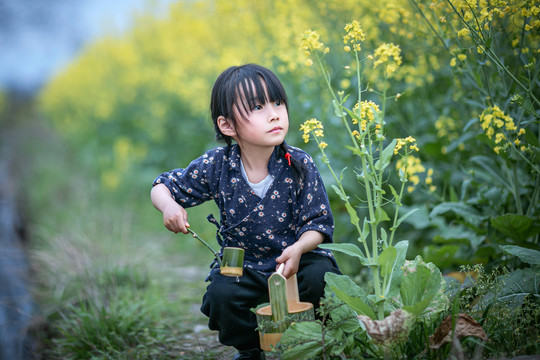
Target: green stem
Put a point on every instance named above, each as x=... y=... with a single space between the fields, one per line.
x=326 y=76
x=398 y=203
x=358 y=77
x=216 y=254
x=345 y=199
x=517 y=196
x=381 y=140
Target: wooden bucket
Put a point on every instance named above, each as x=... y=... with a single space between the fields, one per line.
x=284 y=302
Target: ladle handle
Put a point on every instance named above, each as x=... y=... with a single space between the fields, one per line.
x=280 y=268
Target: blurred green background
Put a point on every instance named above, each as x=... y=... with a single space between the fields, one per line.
x=134 y=103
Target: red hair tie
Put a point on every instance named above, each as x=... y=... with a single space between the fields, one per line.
x=288 y=157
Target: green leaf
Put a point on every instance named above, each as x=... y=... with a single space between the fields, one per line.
x=401 y=248
x=347 y=248
x=359 y=306
x=355 y=150
x=381 y=215
x=346 y=283
x=444 y=255
x=338 y=191
x=349 y=293
x=418 y=289
x=384 y=236
x=392 y=289
x=529 y=256
x=352 y=214
x=400 y=220
x=302 y=340
x=484 y=162
x=420 y=219
x=461 y=209
x=386 y=260
x=386 y=156
x=365 y=229
x=338 y=109
x=516 y=286
x=395 y=195
x=517 y=227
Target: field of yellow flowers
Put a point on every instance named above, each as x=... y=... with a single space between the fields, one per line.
x=457 y=82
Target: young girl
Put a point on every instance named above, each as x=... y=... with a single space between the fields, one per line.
x=271 y=199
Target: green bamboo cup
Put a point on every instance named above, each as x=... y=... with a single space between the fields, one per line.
x=232 y=262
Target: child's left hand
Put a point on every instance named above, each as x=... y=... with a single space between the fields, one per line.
x=291 y=257
x=308 y=241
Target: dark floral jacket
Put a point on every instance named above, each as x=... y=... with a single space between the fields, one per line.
x=262 y=227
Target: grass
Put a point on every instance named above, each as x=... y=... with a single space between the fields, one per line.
x=113 y=289
x=109 y=289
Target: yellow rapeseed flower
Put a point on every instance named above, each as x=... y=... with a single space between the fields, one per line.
x=492 y=117
x=499 y=137
x=354 y=35
x=368 y=110
x=322 y=145
x=409 y=167
x=310 y=42
x=384 y=53
x=309 y=126
x=463 y=32
x=409 y=140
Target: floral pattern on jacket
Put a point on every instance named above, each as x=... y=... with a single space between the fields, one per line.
x=262 y=227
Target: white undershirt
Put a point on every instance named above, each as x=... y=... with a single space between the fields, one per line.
x=261 y=187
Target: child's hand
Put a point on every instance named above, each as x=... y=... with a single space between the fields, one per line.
x=174 y=215
x=175 y=218
x=308 y=241
x=291 y=257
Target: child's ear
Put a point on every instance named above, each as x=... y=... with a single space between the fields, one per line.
x=226 y=126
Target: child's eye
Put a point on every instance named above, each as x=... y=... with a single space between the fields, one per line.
x=257 y=107
x=279 y=103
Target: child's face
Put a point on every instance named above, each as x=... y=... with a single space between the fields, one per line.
x=264 y=125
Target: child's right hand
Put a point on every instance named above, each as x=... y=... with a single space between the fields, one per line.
x=174 y=215
x=175 y=218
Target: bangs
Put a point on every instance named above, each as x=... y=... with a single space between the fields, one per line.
x=254 y=86
x=241 y=88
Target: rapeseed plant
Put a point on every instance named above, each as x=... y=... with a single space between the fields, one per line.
x=363 y=126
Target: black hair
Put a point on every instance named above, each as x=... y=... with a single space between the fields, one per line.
x=254 y=82
x=258 y=85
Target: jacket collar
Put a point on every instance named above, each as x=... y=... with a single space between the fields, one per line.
x=275 y=165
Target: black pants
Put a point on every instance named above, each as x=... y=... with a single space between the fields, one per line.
x=228 y=301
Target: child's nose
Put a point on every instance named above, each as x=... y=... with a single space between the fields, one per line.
x=272 y=114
